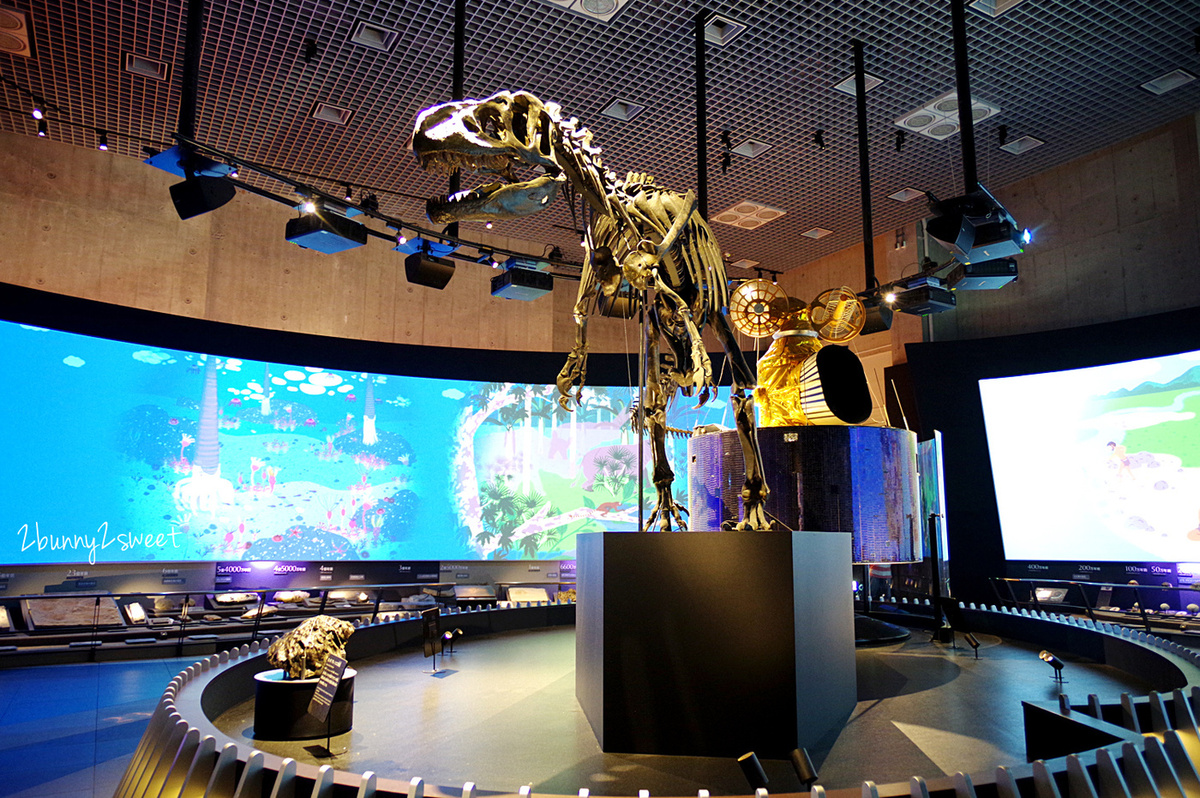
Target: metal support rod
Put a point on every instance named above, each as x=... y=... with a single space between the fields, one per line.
x=457 y=89
x=864 y=163
x=193 y=47
x=641 y=411
x=701 y=117
x=966 y=122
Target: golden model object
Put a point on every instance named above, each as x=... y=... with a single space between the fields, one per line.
x=801 y=381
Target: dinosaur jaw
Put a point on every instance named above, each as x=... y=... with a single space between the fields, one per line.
x=495 y=201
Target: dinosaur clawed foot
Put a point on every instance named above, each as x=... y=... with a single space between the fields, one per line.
x=756 y=518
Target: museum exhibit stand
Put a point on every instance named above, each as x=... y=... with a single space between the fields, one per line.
x=57 y=628
x=1137 y=746
x=715 y=643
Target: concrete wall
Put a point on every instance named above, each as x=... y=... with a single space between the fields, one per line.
x=1118 y=233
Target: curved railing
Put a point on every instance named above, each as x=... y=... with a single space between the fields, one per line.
x=1142 y=746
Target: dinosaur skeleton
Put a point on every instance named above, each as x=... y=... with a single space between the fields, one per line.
x=641 y=237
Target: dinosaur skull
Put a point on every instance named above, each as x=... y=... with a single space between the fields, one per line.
x=493 y=135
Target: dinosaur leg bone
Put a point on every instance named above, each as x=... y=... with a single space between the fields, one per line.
x=754 y=491
x=654 y=412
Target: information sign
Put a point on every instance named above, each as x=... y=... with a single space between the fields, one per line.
x=327 y=685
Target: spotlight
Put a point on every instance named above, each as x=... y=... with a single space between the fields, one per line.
x=370 y=203
x=727 y=139
x=1053 y=662
x=890 y=297
x=401 y=238
x=102 y=143
x=233 y=171
x=973 y=642
x=900 y=137
x=199 y=194
x=37 y=112
x=1002 y=135
x=1026 y=236
x=726 y=162
x=802 y=764
x=879 y=314
x=819 y=139
x=349 y=194
x=974 y=227
x=421 y=268
x=310 y=50
x=752 y=769
x=308 y=206
x=488 y=225
x=43 y=128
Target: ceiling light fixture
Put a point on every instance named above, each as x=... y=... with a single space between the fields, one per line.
x=900 y=137
x=748 y=215
x=1021 y=145
x=819 y=139
x=1002 y=134
x=623 y=110
x=37 y=112
x=102 y=144
x=1172 y=80
x=43 y=128
x=349 y=193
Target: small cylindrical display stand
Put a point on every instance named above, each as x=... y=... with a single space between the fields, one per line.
x=281 y=707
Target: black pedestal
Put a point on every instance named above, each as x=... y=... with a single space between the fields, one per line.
x=715 y=643
x=281 y=707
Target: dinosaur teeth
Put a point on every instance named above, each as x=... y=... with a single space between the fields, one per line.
x=445 y=161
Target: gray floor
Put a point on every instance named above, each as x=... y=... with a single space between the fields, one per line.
x=504 y=714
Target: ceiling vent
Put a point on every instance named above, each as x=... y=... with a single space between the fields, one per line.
x=816 y=232
x=721 y=30
x=1023 y=144
x=750 y=148
x=938 y=118
x=603 y=10
x=374 y=36
x=147 y=67
x=906 y=194
x=748 y=215
x=623 y=110
x=15 y=38
x=994 y=8
x=331 y=113
x=1171 y=80
x=848 y=86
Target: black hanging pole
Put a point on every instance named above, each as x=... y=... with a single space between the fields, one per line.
x=966 y=121
x=701 y=117
x=189 y=90
x=864 y=162
x=457 y=90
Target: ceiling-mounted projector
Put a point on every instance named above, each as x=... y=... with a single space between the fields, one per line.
x=974 y=227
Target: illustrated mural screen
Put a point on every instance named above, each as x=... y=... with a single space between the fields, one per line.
x=119 y=452
x=1098 y=464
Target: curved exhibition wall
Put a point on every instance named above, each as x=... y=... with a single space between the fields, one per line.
x=1072 y=454
x=138 y=436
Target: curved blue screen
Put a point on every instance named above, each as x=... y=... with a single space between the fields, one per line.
x=118 y=452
